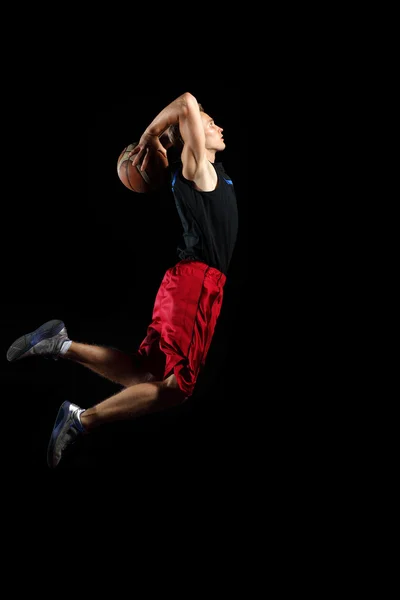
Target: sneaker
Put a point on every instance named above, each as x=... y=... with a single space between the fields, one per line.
x=65 y=431
x=46 y=340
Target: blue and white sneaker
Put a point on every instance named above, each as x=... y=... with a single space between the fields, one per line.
x=46 y=340
x=66 y=429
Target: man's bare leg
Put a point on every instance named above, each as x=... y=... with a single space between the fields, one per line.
x=51 y=340
x=113 y=364
x=134 y=401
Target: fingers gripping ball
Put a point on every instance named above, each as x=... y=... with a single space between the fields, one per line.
x=142 y=182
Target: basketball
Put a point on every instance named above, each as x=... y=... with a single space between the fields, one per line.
x=142 y=182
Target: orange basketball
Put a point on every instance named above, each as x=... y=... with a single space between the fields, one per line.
x=142 y=182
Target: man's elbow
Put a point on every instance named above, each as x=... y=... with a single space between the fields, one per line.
x=189 y=102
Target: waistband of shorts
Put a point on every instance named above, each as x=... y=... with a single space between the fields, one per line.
x=203 y=270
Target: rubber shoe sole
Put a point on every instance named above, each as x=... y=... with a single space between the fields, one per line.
x=64 y=434
x=26 y=342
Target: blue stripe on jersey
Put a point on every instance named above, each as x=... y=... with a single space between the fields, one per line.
x=174 y=179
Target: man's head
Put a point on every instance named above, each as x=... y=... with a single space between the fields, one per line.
x=214 y=138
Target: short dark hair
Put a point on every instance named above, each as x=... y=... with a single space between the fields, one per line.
x=174 y=134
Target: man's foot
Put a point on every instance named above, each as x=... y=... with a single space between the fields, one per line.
x=66 y=429
x=46 y=340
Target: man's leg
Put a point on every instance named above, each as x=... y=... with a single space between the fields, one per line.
x=111 y=363
x=51 y=340
x=135 y=401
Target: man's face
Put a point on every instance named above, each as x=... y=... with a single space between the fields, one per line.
x=214 y=138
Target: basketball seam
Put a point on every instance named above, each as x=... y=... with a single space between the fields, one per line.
x=127 y=175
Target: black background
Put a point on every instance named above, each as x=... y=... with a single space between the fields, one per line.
x=80 y=247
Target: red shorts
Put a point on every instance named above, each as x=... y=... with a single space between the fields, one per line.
x=185 y=313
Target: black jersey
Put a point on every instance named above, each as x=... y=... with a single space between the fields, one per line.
x=209 y=219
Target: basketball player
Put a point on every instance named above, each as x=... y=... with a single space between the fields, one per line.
x=163 y=371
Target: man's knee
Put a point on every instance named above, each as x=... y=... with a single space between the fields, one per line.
x=170 y=384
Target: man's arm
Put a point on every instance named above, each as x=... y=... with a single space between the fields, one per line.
x=150 y=140
x=192 y=132
x=184 y=111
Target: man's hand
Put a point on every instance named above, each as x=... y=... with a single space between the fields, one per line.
x=147 y=147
